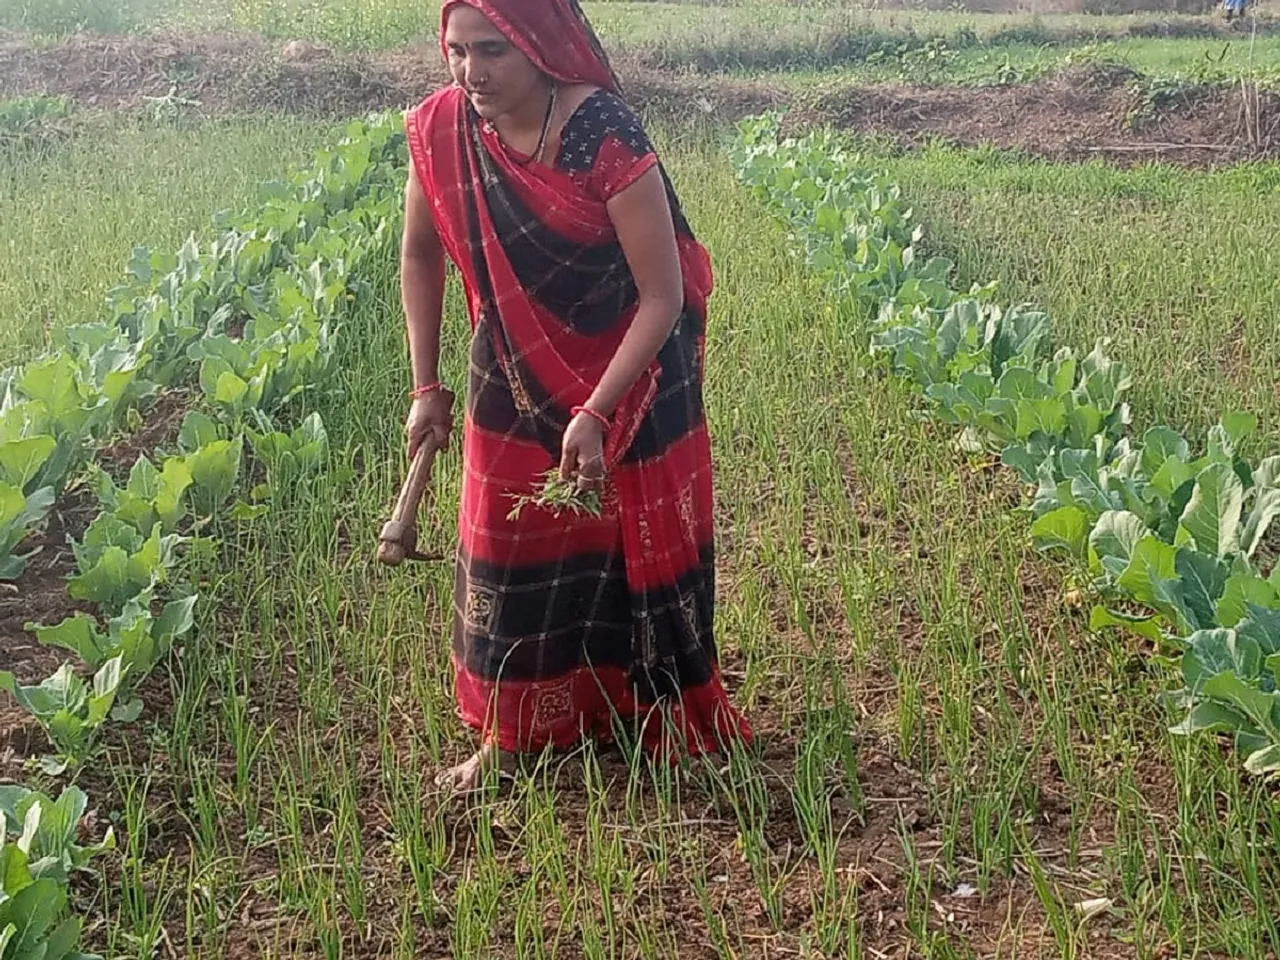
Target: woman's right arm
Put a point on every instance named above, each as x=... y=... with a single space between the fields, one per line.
x=422 y=276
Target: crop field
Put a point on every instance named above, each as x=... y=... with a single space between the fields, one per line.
x=997 y=440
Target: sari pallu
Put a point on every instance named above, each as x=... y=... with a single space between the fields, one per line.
x=568 y=623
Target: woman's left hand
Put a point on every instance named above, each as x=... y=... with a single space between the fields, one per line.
x=582 y=458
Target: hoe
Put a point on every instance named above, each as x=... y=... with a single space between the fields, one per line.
x=398 y=540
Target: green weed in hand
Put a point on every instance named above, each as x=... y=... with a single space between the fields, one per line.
x=559 y=496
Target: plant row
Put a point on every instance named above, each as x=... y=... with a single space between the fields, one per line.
x=249 y=325
x=1173 y=537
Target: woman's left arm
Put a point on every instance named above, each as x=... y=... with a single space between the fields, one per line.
x=642 y=219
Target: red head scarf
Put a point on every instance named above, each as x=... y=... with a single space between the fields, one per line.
x=554 y=34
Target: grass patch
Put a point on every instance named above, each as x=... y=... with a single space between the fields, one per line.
x=68 y=16
x=1198 y=61
x=32 y=125
x=72 y=218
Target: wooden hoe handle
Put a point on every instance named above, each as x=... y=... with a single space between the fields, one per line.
x=398 y=540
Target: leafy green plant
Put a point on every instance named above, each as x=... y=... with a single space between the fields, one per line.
x=116 y=562
x=70 y=709
x=199 y=430
x=31 y=908
x=38 y=850
x=48 y=412
x=1155 y=95
x=19 y=514
x=33 y=123
x=80 y=398
x=925 y=63
x=1231 y=677
x=136 y=638
x=265 y=373
x=151 y=496
x=50 y=830
x=23 y=459
x=301 y=451
x=214 y=470
x=1199 y=507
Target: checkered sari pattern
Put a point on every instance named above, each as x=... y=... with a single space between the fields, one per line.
x=566 y=625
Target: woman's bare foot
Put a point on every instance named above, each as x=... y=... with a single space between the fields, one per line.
x=469 y=776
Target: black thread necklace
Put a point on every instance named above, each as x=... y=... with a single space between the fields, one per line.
x=546 y=128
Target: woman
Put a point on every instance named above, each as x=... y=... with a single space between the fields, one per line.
x=587 y=295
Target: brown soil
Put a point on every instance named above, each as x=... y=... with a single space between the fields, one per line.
x=39 y=596
x=1078 y=114
x=230 y=74
x=160 y=430
x=224 y=73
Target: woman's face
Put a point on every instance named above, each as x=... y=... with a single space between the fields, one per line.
x=496 y=75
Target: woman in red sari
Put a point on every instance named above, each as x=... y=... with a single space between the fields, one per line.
x=587 y=294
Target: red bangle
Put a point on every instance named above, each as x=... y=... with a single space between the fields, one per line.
x=417 y=393
x=595 y=415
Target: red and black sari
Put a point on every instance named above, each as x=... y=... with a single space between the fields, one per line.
x=567 y=624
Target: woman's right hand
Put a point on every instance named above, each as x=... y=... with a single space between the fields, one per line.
x=430 y=415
